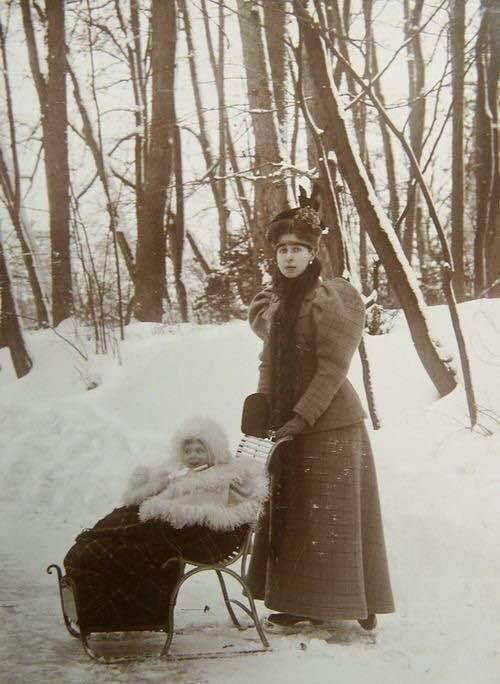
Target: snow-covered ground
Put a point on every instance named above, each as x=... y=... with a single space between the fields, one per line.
x=67 y=450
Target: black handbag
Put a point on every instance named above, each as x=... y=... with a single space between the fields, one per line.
x=255 y=415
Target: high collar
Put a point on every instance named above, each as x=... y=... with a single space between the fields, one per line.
x=307 y=298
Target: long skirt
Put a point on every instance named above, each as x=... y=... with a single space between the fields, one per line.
x=118 y=569
x=319 y=549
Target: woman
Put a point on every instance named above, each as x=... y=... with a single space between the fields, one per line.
x=196 y=506
x=319 y=553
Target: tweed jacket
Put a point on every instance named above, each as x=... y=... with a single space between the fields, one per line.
x=328 y=332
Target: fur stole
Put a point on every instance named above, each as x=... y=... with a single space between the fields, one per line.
x=205 y=497
x=291 y=293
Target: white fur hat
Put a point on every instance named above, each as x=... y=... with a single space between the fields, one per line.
x=207 y=431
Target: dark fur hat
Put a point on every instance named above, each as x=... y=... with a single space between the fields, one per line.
x=303 y=222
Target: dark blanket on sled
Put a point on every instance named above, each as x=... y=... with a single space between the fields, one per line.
x=117 y=567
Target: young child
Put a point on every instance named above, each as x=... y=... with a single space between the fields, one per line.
x=200 y=484
x=198 y=506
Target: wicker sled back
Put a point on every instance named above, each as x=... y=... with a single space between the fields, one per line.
x=259 y=448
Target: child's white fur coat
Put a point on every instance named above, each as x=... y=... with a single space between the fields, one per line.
x=226 y=495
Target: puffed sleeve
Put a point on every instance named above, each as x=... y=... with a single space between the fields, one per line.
x=257 y=310
x=259 y=322
x=338 y=314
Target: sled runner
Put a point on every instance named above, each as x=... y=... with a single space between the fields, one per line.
x=261 y=449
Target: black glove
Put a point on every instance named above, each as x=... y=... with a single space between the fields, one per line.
x=293 y=427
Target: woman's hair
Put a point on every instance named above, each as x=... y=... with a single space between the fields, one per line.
x=304 y=222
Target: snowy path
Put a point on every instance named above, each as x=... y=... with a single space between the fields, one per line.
x=36 y=649
x=65 y=454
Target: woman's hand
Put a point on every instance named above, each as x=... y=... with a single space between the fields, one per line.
x=292 y=427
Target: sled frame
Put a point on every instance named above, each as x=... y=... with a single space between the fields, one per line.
x=65 y=584
x=222 y=568
x=260 y=448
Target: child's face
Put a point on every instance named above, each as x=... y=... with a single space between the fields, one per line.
x=194 y=453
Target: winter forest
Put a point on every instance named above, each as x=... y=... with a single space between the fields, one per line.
x=145 y=146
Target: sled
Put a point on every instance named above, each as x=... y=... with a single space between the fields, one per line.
x=262 y=449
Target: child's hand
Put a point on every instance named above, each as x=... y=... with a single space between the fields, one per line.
x=292 y=427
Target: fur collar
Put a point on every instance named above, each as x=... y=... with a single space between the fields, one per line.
x=210 y=489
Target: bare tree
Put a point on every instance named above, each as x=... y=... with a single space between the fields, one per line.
x=336 y=23
x=10 y=183
x=275 y=14
x=382 y=235
x=386 y=139
x=94 y=141
x=52 y=99
x=457 y=45
x=218 y=187
x=137 y=65
x=11 y=334
x=447 y=259
x=221 y=101
x=150 y=252
x=324 y=188
x=176 y=229
x=416 y=101
x=270 y=188
x=487 y=240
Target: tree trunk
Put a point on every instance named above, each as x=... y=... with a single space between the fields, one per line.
x=270 y=189
x=382 y=235
x=416 y=101
x=198 y=254
x=52 y=99
x=457 y=41
x=11 y=187
x=138 y=81
x=313 y=113
x=386 y=139
x=12 y=202
x=176 y=232
x=492 y=78
x=340 y=23
x=218 y=189
x=150 y=254
x=56 y=163
x=363 y=145
x=108 y=182
x=483 y=157
x=221 y=99
x=11 y=335
x=324 y=197
x=487 y=229
x=275 y=29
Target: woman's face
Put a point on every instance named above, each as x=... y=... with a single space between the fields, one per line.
x=194 y=453
x=292 y=257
